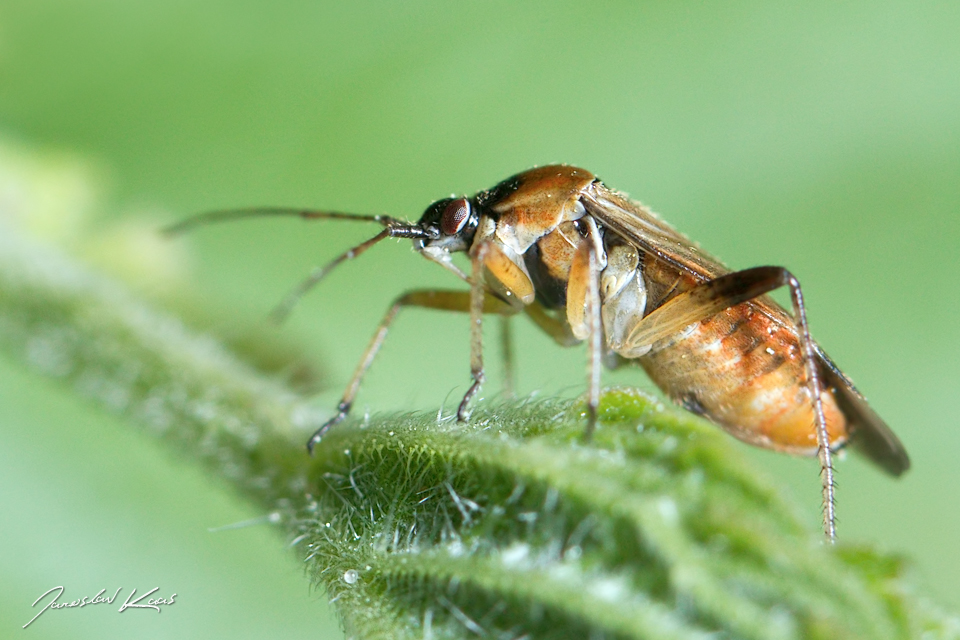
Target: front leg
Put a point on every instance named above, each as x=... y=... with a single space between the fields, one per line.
x=479 y=255
x=426 y=298
x=507 y=275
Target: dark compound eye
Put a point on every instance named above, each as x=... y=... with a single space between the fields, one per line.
x=455 y=216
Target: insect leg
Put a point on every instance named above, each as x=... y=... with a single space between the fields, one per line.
x=427 y=298
x=506 y=347
x=710 y=298
x=824 y=453
x=584 y=312
x=477 y=294
x=594 y=340
x=555 y=327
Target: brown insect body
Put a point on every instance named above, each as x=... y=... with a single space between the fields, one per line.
x=742 y=368
x=586 y=263
x=745 y=372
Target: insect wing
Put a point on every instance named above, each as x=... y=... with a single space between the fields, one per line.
x=869 y=433
x=643 y=228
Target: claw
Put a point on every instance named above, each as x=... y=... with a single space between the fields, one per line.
x=342 y=410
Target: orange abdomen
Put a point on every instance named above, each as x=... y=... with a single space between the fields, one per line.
x=745 y=372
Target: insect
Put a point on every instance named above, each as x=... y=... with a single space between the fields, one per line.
x=586 y=263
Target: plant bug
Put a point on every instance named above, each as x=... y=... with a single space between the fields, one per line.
x=586 y=263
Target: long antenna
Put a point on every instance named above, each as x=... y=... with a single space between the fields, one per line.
x=225 y=215
x=282 y=310
x=394 y=228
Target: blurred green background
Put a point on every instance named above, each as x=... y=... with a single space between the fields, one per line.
x=822 y=137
